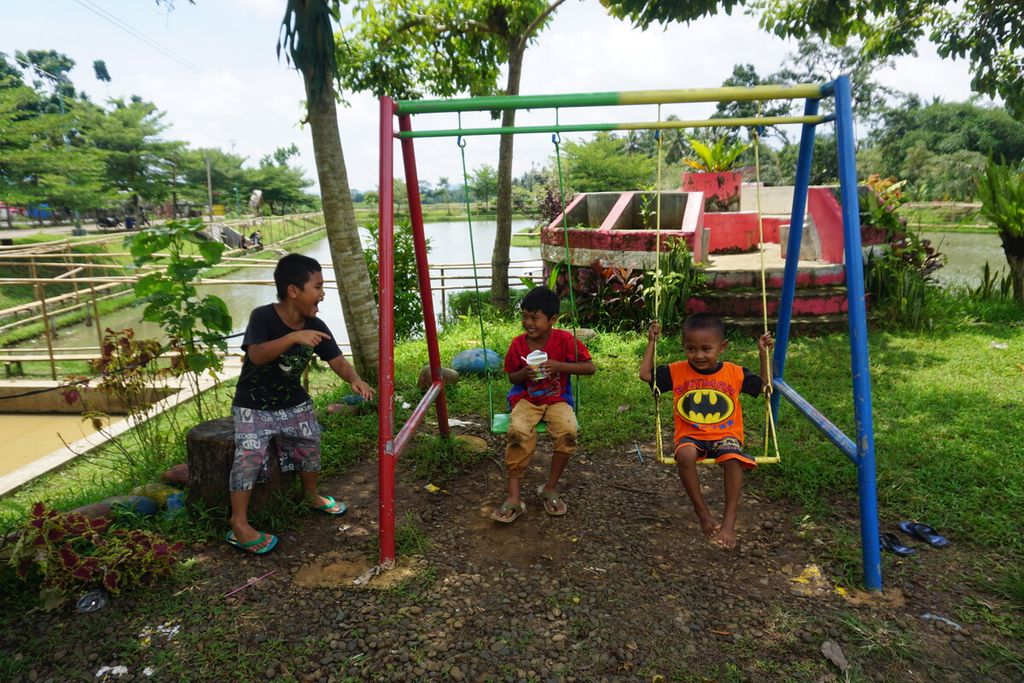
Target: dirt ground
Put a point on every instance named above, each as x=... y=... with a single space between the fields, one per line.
x=623 y=587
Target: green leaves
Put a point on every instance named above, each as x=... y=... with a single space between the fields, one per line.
x=1001 y=191
x=603 y=164
x=196 y=324
x=643 y=13
x=211 y=252
x=718 y=157
x=70 y=552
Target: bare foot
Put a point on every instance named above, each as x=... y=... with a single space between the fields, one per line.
x=727 y=536
x=707 y=525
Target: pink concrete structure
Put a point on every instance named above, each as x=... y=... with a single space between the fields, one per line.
x=612 y=227
x=721 y=190
x=617 y=229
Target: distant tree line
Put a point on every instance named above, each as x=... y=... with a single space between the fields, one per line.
x=937 y=147
x=59 y=149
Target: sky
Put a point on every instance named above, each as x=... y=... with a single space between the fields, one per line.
x=212 y=67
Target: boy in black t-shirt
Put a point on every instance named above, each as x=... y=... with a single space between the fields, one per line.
x=270 y=402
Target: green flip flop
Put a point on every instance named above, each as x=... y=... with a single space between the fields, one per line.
x=257 y=546
x=326 y=507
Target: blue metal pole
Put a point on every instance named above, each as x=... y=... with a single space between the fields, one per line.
x=796 y=230
x=866 y=484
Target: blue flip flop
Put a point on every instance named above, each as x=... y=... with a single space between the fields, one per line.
x=891 y=543
x=923 y=532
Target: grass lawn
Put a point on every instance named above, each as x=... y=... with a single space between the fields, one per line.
x=953 y=217
x=947 y=413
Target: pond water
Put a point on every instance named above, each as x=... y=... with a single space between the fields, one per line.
x=449 y=244
x=966 y=256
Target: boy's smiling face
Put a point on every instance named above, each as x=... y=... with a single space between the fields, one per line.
x=307 y=300
x=537 y=325
x=703 y=347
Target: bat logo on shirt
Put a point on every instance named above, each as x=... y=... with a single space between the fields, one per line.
x=704 y=406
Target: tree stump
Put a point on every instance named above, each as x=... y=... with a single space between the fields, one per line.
x=211 y=451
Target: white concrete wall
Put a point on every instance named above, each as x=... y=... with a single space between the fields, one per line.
x=774 y=200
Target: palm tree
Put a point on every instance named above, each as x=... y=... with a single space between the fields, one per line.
x=444 y=187
x=1001 y=191
x=308 y=39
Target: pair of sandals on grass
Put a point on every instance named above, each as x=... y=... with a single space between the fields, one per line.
x=264 y=543
x=921 y=532
x=510 y=512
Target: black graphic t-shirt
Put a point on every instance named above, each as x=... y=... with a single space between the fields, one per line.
x=278 y=384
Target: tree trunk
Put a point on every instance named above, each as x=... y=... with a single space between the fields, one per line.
x=1013 y=247
x=503 y=233
x=211 y=452
x=358 y=304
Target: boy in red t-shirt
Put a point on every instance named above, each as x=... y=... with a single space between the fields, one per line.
x=707 y=411
x=540 y=392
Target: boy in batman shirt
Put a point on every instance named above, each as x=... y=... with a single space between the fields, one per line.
x=707 y=412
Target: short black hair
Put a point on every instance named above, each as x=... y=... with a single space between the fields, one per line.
x=541 y=299
x=704 y=321
x=294 y=269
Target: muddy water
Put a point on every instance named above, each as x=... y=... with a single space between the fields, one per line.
x=23 y=438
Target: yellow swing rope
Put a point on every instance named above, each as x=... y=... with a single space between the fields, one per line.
x=769 y=419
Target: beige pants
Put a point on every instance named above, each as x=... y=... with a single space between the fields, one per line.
x=521 y=440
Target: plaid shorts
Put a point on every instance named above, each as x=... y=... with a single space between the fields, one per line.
x=294 y=430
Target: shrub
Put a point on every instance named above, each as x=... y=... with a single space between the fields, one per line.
x=470 y=303
x=898 y=279
x=408 y=308
x=70 y=552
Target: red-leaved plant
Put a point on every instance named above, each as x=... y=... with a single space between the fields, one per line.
x=69 y=552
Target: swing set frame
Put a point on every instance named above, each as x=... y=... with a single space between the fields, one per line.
x=860 y=450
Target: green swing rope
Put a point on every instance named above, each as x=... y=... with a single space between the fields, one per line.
x=557 y=140
x=659 y=446
x=476 y=280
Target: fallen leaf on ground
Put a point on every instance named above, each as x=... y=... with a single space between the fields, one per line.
x=834 y=654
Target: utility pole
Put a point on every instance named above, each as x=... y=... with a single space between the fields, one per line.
x=78 y=230
x=174 y=190
x=209 y=190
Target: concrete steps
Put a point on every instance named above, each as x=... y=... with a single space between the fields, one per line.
x=809 y=301
x=800 y=326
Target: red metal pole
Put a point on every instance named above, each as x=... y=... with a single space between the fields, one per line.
x=386 y=300
x=405 y=434
x=412 y=184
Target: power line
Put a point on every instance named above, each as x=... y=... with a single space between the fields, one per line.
x=139 y=35
x=142 y=37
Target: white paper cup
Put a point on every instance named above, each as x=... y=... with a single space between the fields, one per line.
x=535 y=360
